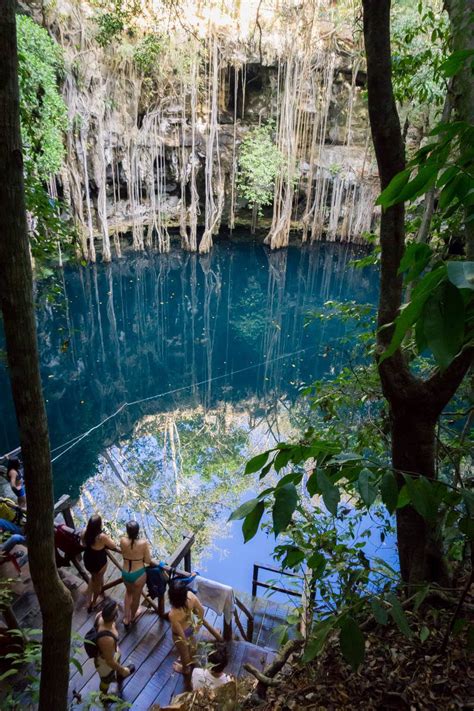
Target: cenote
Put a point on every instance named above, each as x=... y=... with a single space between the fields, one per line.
x=164 y=373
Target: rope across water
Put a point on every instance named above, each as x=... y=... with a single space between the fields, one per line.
x=70 y=444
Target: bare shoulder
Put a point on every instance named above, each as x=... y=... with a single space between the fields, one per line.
x=192 y=600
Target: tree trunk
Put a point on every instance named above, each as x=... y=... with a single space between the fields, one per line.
x=461 y=13
x=415 y=405
x=16 y=294
x=414 y=453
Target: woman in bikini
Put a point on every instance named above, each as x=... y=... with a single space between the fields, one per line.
x=136 y=555
x=96 y=543
x=186 y=617
x=16 y=481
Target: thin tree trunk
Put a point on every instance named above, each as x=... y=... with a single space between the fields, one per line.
x=461 y=13
x=16 y=293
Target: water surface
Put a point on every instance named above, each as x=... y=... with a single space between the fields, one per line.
x=174 y=369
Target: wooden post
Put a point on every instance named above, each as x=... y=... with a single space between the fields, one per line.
x=63 y=506
x=68 y=519
x=10 y=618
x=227 y=630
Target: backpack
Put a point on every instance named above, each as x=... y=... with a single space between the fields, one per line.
x=68 y=541
x=11 y=512
x=90 y=641
x=156 y=580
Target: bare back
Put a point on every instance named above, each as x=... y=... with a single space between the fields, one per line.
x=135 y=556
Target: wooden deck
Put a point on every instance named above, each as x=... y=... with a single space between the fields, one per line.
x=148 y=644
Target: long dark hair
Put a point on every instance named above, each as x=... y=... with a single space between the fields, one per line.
x=13 y=464
x=177 y=593
x=109 y=611
x=94 y=529
x=133 y=529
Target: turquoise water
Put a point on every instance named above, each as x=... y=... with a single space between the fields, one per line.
x=174 y=369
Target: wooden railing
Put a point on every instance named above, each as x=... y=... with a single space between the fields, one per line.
x=270 y=586
x=182 y=554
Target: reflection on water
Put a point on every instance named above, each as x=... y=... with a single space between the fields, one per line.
x=180 y=472
x=209 y=352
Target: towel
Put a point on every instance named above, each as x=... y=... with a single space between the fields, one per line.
x=217 y=596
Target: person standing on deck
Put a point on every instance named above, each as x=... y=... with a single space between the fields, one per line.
x=17 y=484
x=136 y=555
x=186 y=617
x=96 y=543
x=107 y=660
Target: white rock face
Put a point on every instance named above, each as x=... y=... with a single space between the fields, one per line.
x=147 y=152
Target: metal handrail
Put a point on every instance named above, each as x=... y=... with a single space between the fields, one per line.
x=268 y=586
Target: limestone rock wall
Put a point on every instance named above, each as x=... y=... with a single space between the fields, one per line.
x=147 y=152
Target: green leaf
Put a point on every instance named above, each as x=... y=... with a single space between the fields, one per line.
x=312 y=484
x=352 y=643
x=317 y=563
x=421 y=183
x=455 y=62
x=256 y=463
x=367 y=490
x=394 y=188
x=466 y=526
x=282 y=459
x=286 y=498
x=461 y=274
x=243 y=510
x=78 y=665
x=414 y=260
x=403 y=497
x=449 y=192
x=294 y=556
x=412 y=311
x=318 y=639
x=468 y=497
x=422 y=496
x=398 y=615
x=330 y=493
x=380 y=613
x=252 y=521
x=424 y=633
x=443 y=323
x=389 y=491
x=420 y=596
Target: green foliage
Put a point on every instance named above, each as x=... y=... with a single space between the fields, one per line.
x=147 y=52
x=260 y=161
x=352 y=642
x=24 y=663
x=114 y=18
x=441 y=307
x=340 y=471
x=442 y=311
x=420 y=36
x=43 y=112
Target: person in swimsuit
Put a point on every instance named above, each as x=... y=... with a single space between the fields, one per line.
x=136 y=555
x=107 y=660
x=186 y=617
x=96 y=543
x=16 y=481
